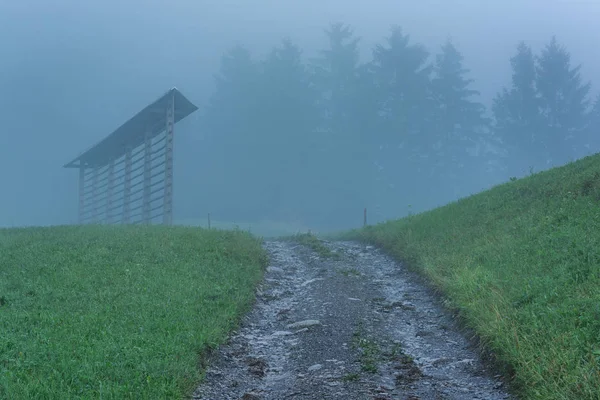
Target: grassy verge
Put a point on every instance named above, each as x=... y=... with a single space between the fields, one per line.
x=521 y=264
x=117 y=312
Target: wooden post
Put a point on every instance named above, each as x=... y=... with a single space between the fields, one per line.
x=94 y=194
x=81 y=192
x=208 y=220
x=127 y=187
x=147 y=176
x=168 y=188
x=365 y=217
x=109 y=191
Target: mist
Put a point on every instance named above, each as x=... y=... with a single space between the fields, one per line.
x=71 y=72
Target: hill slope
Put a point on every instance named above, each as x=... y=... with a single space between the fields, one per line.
x=117 y=312
x=521 y=264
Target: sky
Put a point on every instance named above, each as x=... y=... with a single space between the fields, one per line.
x=72 y=71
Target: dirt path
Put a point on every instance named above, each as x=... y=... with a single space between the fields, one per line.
x=353 y=324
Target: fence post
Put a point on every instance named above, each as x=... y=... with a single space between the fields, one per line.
x=208 y=220
x=365 y=217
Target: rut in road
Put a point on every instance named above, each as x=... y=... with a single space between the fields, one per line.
x=346 y=323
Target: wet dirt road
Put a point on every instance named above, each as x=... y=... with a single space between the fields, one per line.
x=346 y=324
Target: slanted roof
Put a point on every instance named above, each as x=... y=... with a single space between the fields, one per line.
x=131 y=134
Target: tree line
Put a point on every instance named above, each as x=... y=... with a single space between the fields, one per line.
x=317 y=140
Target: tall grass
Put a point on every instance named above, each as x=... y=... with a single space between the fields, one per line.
x=521 y=264
x=118 y=312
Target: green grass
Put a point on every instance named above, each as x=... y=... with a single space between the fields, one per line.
x=369 y=349
x=521 y=265
x=264 y=228
x=312 y=242
x=118 y=312
x=351 y=377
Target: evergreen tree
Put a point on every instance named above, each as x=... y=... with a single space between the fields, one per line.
x=288 y=132
x=459 y=120
x=347 y=149
x=335 y=73
x=400 y=74
x=262 y=116
x=592 y=142
x=230 y=121
x=564 y=102
x=287 y=92
x=235 y=85
x=517 y=115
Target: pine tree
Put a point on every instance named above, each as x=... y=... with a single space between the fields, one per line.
x=347 y=111
x=335 y=73
x=236 y=85
x=288 y=133
x=517 y=115
x=592 y=131
x=400 y=73
x=288 y=95
x=230 y=121
x=564 y=102
x=459 y=121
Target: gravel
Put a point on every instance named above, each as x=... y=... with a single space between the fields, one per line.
x=354 y=326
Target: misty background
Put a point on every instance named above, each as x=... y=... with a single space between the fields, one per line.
x=292 y=133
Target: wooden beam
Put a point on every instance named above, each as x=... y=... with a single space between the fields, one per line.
x=168 y=182
x=81 y=193
x=147 y=177
x=109 y=191
x=127 y=188
x=94 y=195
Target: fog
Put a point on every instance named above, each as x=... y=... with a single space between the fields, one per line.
x=71 y=72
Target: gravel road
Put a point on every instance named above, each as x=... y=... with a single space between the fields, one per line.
x=346 y=324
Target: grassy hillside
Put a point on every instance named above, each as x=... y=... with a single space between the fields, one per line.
x=521 y=263
x=117 y=312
